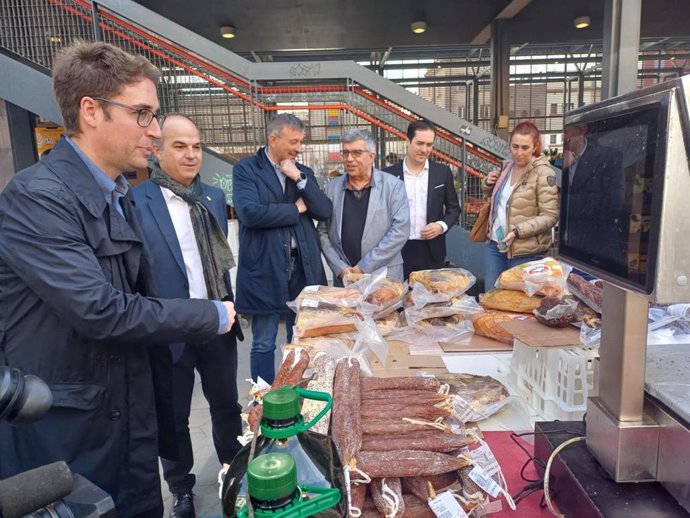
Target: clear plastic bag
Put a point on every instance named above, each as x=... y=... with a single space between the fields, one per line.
x=463 y=305
x=452 y=329
x=380 y=295
x=358 y=344
x=390 y=322
x=560 y=314
x=439 y=285
x=323 y=310
x=545 y=276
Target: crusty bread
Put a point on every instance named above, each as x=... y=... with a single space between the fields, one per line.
x=445 y=280
x=510 y=300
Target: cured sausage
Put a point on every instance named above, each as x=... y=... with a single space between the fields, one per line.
x=424 y=441
x=346 y=427
x=387 y=496
x=400 y=383
x=404 y=395
x=391 y=425
x=407 y=463
x=401 y=410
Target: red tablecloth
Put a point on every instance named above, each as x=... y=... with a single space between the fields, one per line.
x=511 y=458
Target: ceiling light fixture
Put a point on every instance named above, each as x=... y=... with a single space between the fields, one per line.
x=418 y=27
x=227 y=31
x=581 y=22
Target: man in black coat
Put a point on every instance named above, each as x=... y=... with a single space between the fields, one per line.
x=432 y=198
x=75 y=280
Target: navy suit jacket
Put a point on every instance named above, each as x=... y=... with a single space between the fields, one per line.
x=168 y=266
x=441 y=203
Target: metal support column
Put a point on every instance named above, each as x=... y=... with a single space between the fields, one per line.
x=500 y=74
x=475 y=101
x=95 y=21
x=621 y=47
x=580 y=90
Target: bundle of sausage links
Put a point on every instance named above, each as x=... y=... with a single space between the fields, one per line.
x=389 y=436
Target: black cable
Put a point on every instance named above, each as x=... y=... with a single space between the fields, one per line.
x=533 y=485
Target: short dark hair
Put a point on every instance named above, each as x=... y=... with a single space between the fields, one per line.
x=98 y=69
x=277 y=123
x=419 y=125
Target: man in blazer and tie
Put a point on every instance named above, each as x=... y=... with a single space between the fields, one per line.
x=371 y=219
x=185 y=226
x=432 y=198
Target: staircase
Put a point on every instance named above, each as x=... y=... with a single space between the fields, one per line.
x=231 y=98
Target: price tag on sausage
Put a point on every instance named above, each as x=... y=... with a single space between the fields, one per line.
x=488 y=484
x=446 y=506
x=484 y=457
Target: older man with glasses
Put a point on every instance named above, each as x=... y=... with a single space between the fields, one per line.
x=371 y=218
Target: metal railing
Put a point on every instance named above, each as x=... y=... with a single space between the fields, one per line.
x=231 y=108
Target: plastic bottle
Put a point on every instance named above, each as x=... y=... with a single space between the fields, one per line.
x=283 y=430
x=274 y=492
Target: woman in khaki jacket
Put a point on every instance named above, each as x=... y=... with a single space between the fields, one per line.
x=524 y=205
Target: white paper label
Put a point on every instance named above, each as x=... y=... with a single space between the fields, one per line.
x=311 y=289
x=463 y=409
x=310 y=303
x=488 y=484
x=446 y=506
x=485 y=458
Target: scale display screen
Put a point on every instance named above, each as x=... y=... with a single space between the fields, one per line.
x=612 y=183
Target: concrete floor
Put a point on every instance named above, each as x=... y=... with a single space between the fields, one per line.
x=206 y=466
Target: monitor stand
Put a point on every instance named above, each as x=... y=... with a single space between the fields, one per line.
x=580 y=487
x=622 y=437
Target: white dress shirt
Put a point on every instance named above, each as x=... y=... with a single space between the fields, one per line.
x=180 y=213
x=417 y=188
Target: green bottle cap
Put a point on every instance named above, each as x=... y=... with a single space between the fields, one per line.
x=271 y=477
x=282 y=404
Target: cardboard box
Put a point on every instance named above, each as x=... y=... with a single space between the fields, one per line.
x=535 y=334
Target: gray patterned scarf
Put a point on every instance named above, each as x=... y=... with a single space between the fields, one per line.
x=216 y=256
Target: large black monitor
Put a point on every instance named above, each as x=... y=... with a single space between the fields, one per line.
x=625 y=198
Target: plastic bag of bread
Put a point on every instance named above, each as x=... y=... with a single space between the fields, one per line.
x=324 y=310
x=317 y=318
x=366 y=339
x=389 y=322
x=556 y=312
x=439 y=285
x=380 y=294
x=341 y=297
x=489 y=324
x=542 y=277
x=454 y=328
x=463 y=305
x=510 y=300
x=316 y=344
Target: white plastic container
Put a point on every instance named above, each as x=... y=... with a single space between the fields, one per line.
x=554 y=381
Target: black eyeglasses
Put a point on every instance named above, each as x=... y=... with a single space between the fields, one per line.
x=144 y=115
x=356 y=153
